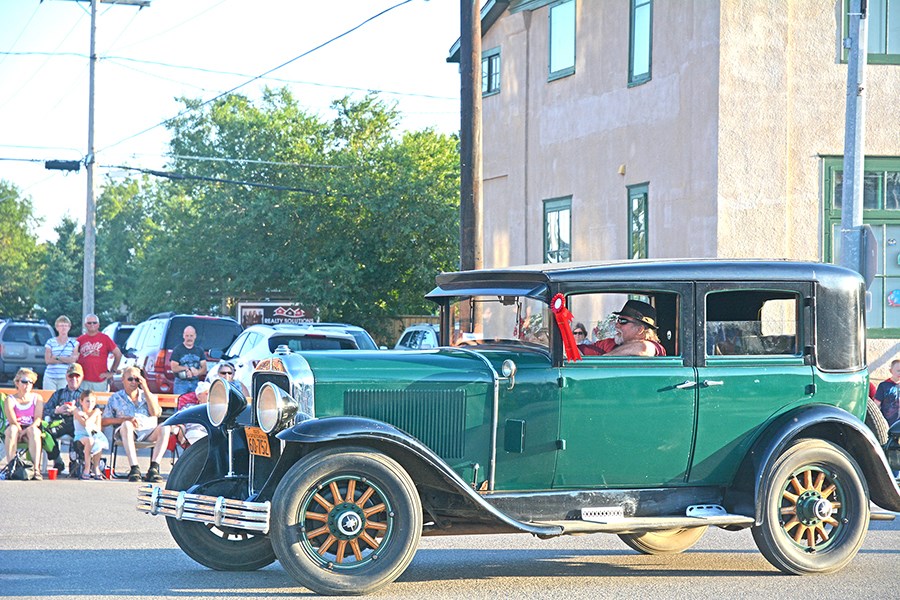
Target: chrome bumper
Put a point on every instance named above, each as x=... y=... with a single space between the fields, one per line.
x=214 y=510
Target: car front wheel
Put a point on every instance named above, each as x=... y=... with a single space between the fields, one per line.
x=219 y=549
x=346 y=521
x=816 y=509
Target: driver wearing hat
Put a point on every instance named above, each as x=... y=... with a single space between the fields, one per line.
x=635 y=334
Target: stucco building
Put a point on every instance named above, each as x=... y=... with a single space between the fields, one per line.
x=618 y=129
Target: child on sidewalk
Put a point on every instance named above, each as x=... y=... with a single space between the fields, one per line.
x=88 y=431
x=888 y=394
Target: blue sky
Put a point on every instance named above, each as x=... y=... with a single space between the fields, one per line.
x=198 y=49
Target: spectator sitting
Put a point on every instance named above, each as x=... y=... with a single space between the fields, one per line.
x=226 y=371
x=187 y=434
x=59 y=352
x=135 y=411
x=61 y=405
x=88 y=419
x=635 y=334
x=23 y=411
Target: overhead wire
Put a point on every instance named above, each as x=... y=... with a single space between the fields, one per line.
x=187 y=177
x=257 y=77
x=21 y=33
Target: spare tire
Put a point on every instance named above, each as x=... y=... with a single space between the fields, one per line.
x=876 y=422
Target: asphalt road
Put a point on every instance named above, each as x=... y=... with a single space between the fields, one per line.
x=72 y=539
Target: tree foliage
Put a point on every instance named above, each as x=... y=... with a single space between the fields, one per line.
x=270 y=202
x=20 y=255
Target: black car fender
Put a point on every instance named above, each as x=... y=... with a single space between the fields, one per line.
x=827 y=423
x=425 y=467
x=217 y=459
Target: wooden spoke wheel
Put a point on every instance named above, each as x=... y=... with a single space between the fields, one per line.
x=346 y=521
x=816 y=509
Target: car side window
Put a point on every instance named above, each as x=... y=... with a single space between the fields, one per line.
x=752 y=322
x=596 y=312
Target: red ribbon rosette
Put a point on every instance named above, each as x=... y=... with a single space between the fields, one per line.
x=563 y=320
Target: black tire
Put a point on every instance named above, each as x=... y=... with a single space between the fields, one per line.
x=207 y=544
x=346 y=521
x=669 y=541
x=815 y=509
x=876 y=422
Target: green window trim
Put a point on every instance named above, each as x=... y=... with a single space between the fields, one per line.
x=638 y=209
x=558 y=230
x=884 y=30
x=640 y=46
x=881 y=210
x=490 y=72
x=562 y=31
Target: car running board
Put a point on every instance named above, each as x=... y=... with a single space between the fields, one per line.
x=610 y=520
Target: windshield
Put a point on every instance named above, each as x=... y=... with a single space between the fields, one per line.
x=498 y=320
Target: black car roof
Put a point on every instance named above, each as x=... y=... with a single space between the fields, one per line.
x=533 y=280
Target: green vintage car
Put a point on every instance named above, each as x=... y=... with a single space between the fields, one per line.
x=749 y=416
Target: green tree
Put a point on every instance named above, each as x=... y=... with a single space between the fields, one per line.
x=60 y=289
x=20 y=254
x=356 y=219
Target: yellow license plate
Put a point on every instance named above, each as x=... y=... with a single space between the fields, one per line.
x=258 y=442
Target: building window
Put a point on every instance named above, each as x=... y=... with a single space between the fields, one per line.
x=562 y=39
x=881 y=210
x=490 y=72
x=637 y=221
x=641 y=41
x=558 y=230
x=884 y=31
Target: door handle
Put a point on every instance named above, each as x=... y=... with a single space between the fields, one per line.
x=710 y=383
x=686 y=384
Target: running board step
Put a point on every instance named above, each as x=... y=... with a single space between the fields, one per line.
x=644 y=524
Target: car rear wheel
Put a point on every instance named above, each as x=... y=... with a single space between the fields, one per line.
x=219 y=549
x=346 y=521
x=815 y=509
x=669 y=541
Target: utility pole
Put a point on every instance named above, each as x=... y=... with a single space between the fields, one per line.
x=857 y=41
x=471 y=235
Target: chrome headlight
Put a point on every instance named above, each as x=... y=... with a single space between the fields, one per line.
x=275 y=408
x=226 y=401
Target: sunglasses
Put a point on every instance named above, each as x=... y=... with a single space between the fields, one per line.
x=92 y=322
x=579 y=333
x=133 y=379
x=224 y=373
x=74 y=375
x=624 y=321
x=26 y=382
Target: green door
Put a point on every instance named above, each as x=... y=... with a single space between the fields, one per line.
x=625 y=422
x=751 y=368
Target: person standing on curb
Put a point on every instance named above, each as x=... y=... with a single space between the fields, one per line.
x=94 y=348
x=188 y=362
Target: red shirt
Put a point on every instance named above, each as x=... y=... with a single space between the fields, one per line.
x=93 y=354
x=601 y=347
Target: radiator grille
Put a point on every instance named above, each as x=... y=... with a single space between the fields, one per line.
x=436 y=417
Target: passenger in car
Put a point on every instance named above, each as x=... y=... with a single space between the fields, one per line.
x=635 y=334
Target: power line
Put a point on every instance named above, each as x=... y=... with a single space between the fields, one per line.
x=186 y=177
x=262 y=75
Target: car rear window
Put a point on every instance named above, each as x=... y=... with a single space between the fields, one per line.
x=309 y=342
x=27 y=334
x=212 y=334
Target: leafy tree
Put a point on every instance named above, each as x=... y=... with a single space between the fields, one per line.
x=20 y=254
x=60 y=289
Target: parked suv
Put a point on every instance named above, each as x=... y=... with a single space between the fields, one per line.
x=745 y=414
x=419 y=337
x=151 y=343
x=118 y=332
x=260 y=341
x=22 y=345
